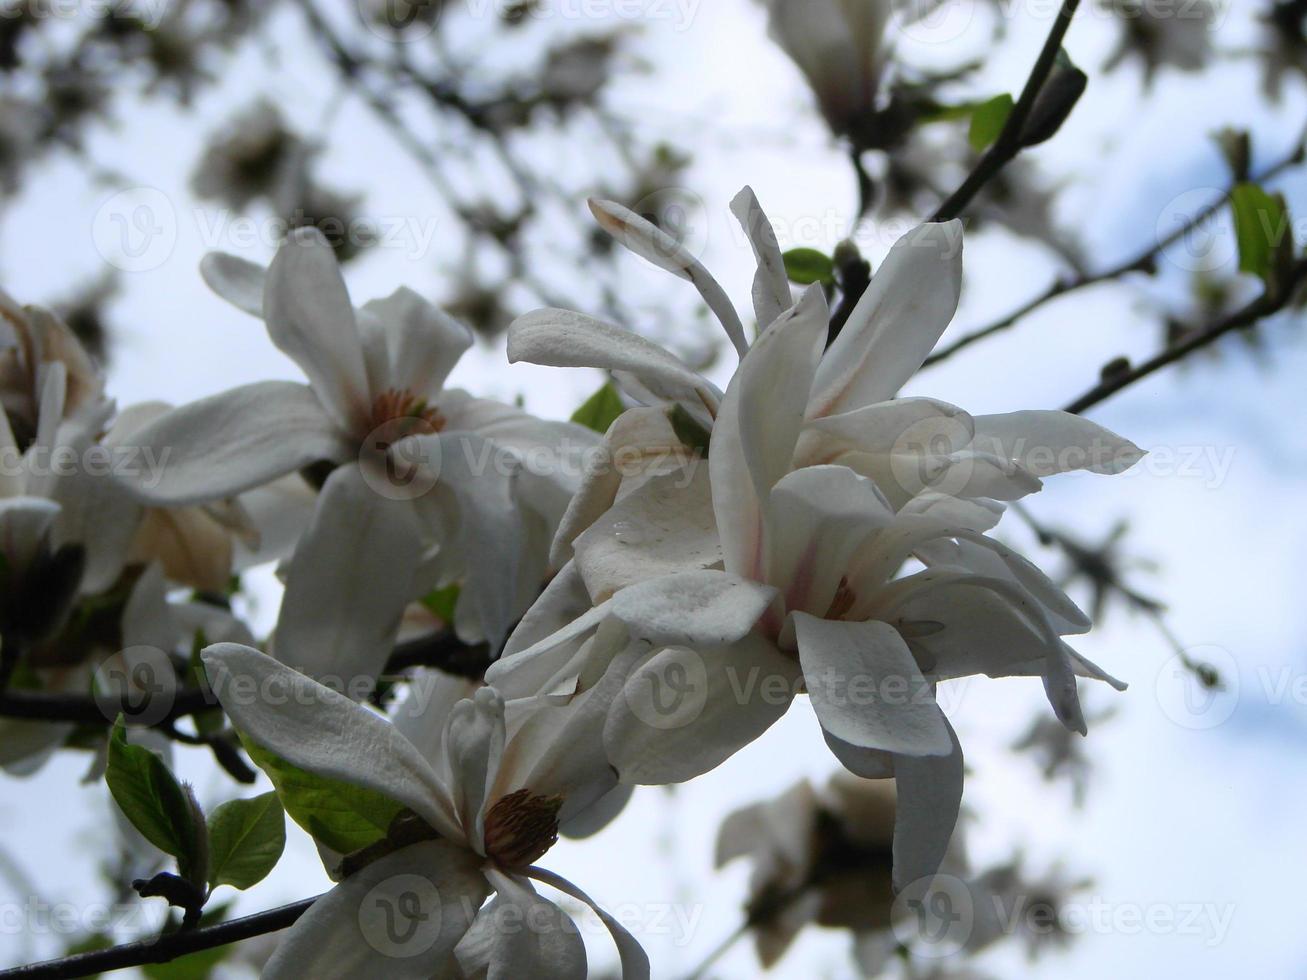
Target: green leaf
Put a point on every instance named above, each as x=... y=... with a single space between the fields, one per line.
x=156 y=804
x=988 y=121
x=600 y=410
x=246 y=838
x=344 y=817
x=691 y=433
x=1261 y=225
x=442 y=602
x=806 y=266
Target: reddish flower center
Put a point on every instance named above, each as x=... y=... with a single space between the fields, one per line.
x=406 y=412
x=521 y=827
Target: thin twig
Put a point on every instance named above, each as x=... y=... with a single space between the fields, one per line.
x=1009 y=142
x=163 y=949
x=1142 y=262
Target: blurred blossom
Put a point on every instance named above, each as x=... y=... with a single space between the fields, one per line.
x=1171 y=35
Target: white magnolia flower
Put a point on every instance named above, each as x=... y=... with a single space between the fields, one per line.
x=429 y=485
x=836 y=405
x=840 y=47
x=492 y=783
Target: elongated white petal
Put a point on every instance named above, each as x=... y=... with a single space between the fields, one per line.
x=771 y=285
x=222 y=445
x=866 y=688
x=525 y=672
x=423 y=342
x=349 y=580
x=310 y=318
x=701 y=607
x=520 y=933
x=101 y=515
x=683 y=712
x=635 y=962
x=1048 y=443
x=758 y=427
x=1003 y=562
x=663 y=527
x=929 y=792
x=474 y=745
x=560 y=338
x=655 y=245
x=599 y=815
x=313 y=727
x=903 y=427
x=909 y=304
x=400 y=917
x=238 y=281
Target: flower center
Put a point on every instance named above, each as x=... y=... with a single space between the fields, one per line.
x=521 y=827
x=405 y=413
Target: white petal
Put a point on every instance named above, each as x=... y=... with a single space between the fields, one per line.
x=98 y=513
x=635 y=963
x=313 y=727
x=684 y=712
x=758 y=426
x=230 y=442
x=655 y=245
x=522 y=934
x=238 y=281
x=400 y=917
x=348 y=583
x=560 y=338
x=599 y=815
x=700 y=607
x=665 y=526
x=929 y=793
x=423 y=343
x=903 y=427
x=526 y=672
x=474 y=745
x=908 y=305
x=1048 y=443
x=310 y=318
x=771 y=285
x=866 y=688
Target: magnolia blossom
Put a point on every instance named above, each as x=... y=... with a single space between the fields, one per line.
x=837 y=406
x=427 y=486
x=492 y=784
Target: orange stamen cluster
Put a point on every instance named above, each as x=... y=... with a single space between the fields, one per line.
x=521 y=827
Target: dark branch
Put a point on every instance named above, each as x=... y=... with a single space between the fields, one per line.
x=1011 y=140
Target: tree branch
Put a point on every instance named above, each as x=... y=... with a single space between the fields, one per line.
x=1009 y=142
x=1269 y=303
x=1142 y=262
x=163 y=949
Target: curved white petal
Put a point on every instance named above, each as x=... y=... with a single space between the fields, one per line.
x=238 y=281
x=693 y=608
x=399 y=918
x=771 y=284
x=655 y=245
x=423 y=342
x=348 y=582
x=866 y=688
x=1047 y=443
x=635 y=963
x=313 y=727
x=929 y=793
x=521 y=934
x=905 y=310
x=222 y=445
x=310 y=318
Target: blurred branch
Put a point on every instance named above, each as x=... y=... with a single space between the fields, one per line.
x=1143 y=262
x=1269 y=303
x=163 y=949
x=1010 y=141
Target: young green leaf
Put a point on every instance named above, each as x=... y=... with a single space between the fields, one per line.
x=341 y=816
x=988 y=121
x=1261 y=225
x=442 y=602
x=156 y=804
x=806 y=266
x=246 y=838
x=600 y=410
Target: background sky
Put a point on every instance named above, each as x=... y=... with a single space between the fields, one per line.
x=1191 y=812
